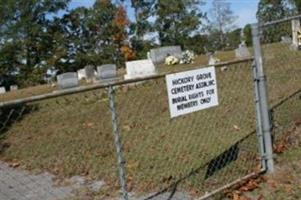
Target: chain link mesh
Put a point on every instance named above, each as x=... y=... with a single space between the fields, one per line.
x=69 y=137
x=192 y=154
x=282 y=66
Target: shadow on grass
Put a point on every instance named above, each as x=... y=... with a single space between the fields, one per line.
x=282 y=106
x=221 y=161
x=9 y=116
x=211 y=167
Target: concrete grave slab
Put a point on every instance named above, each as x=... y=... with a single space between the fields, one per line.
x=67 y=80
x=140 y=69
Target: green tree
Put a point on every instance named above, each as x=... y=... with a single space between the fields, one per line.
x=143 y=10
x=296 y=5
x=177 y=20
x=25 y=23
x=248 y=34
x=269 y=10
x=233 y=38
x=88 y=37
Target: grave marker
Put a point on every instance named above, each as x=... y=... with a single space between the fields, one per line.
x=108 y=71
x=139 y=69
x=90 y=72
x=81 y=74
x=13 y=88
x=296 y=40
x=67 y=80
x=242 y=51
x=158 y=55
x=2 y=90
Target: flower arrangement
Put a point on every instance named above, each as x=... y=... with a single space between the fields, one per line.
x=171 y=60
x=188 y=57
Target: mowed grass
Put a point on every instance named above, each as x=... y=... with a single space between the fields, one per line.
x=72 y=135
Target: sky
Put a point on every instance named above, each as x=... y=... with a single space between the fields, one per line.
x=245 y=10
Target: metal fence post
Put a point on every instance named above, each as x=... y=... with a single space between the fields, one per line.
x=263 y=101
x=258 y=118
x=118 y=145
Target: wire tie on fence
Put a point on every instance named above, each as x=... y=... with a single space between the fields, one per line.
x=262 y=78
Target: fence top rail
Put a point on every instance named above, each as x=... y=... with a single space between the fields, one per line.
x=264 y=25
x=105 y=85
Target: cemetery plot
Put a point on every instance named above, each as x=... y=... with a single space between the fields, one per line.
x=242 y=51
x=67 y=80
x=2 y=90
x=139 y=69
x=108 y=71
x=158 y=55
x=77 y=124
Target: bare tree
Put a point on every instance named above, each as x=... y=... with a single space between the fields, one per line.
x=222 y=18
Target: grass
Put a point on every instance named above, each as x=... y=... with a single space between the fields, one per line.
x=73 y=135
x=285 y=182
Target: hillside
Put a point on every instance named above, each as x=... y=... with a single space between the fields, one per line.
x=72 y=135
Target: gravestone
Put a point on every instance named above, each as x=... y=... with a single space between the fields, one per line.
x=139 y=69
x=2 y=90
x=13 y=87
x=67 y=80
x=81 y=74
x=242 y=51
x=296 y=33
x=212 y=60
x=286 y=40
x=108 y=71
x=158 y=55
x=90 y=73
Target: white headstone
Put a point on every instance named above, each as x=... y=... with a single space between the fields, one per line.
x=148 y=55
x=242 y=51
x=139 y=69
x=212 y=60
x=67 y=80
x=286 y=40
x=296 y=40
x=13 y=87
x=81 y=74
x=158 y=55
x=2 y=90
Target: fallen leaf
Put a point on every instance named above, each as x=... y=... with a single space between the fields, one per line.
x=14 y=164
x=236 y=127
x=127 y=128
x=250 y=186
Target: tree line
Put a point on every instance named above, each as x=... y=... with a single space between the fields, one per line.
x=38 y=36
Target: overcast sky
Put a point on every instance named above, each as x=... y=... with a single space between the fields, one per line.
x=244 y=9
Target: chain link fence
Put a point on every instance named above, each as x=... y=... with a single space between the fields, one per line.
x=117 y=140
x=71 y=137
x=282 y=58
x=192 y=154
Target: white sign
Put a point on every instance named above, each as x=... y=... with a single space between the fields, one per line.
x=191 y=91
